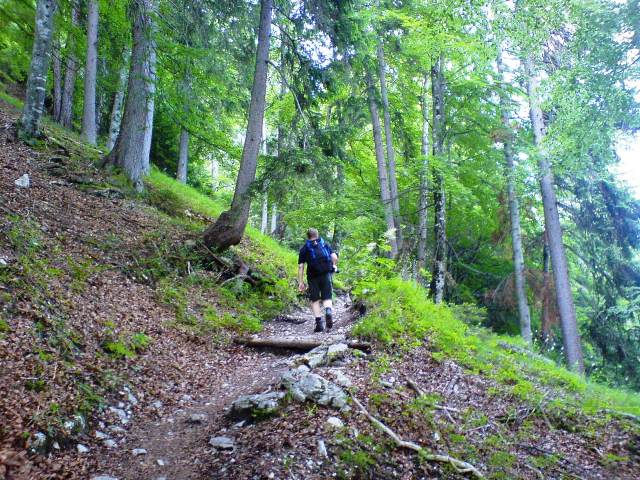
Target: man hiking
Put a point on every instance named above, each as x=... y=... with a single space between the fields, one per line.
x=321 y=263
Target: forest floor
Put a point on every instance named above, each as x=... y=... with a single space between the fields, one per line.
x=99 y=358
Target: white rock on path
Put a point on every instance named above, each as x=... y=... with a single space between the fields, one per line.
x=335 y=422
x=110 y=443
x=104 y=477
x=138 y=451
x=23 y=182
x=82 y=448
x=197 y=418
x=322 y=449
x=222 y=443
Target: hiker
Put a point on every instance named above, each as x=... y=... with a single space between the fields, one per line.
x=321 y=263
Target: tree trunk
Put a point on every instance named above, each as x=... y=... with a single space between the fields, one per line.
x=90 y=74
x=29 y=125
x=215 y=167
x=116 y=110
x=57 y=81
x=229 y=227
x=183 y=156
x=566 y=308
x=385 y=194
x=274 y=219
x=439 y=194
x=423 y=194
x=547 y=295
x=68 y=90
x=264 y=220
x=391 y=154
x=131 y=150
x=514 y=212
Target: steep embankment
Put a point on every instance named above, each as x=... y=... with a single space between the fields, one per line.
x=115 y=332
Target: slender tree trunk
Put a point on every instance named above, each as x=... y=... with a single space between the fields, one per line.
x=264 y=221
x=131 y=150
x=514 y=211
x=274 y=218
x=68 y=89
x=90 y=74
x=57 y=80
x=183 y=156
x=29 y=125
x=183 y=150
x=229 y=227
x=391 y=154
x=547 y=295
x=439 y=194
x=385 y=194
x=423 y=195
x=564 y=295
x=116 y=110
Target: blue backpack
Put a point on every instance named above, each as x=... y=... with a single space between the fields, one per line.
x=319 y=256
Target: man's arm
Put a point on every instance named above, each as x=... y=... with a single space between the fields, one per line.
x=301 y=285
x=334 y=259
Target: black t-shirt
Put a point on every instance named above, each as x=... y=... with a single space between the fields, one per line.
x=314 y=269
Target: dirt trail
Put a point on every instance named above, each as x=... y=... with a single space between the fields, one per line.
x=177 y=443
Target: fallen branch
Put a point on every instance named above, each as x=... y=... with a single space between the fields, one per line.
x=296 y=343
x=615 y=413
x=291 y=319
x=420 y=392
x=459 y=465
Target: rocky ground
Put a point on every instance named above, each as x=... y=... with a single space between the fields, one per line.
x=187 y=406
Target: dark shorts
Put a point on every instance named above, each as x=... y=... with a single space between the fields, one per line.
x=320 y=288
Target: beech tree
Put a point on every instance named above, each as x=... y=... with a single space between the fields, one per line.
x=90 y=73
x=229 y=227
x=69 y=86
x=131 y=149
x=29 y=125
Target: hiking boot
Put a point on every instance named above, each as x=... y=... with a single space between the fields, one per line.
x=329 y=320
x=319 y=325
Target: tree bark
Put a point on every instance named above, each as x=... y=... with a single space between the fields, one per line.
x=57 y=81
x=423 y=194
x=439 y=193
x=131 y=150
x=29 y=125
x=385 y=194
x=183 y=150
x=391 y=154
x=90 y=74
x=274 y=219
x=68 y=90
x=230 y=226
x=564 y=295
x=547 y=295
x=116 y=110
x=514 y=212
x=299 y=343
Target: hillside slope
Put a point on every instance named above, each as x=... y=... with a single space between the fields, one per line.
x=114 y=323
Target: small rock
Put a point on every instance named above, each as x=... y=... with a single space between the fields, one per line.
x=340 y=378
x=186 y=399
x=122 y=415
x=82 y=448
x=239 y=424
x=109 y=443
x=386 y=384
x=115 y=429
x=39 y=443
x=337 y=350
x=23 y=182
x=138 y=451
x=157 y=404
x=256 y=405
x=160 y=462
x=197 y=418
x=3 y=262
x=222 y=443
x=104 y=477
x=56 y=445
x=131 y=398
x=101 y=435
x=322 y=449
x=335 y=422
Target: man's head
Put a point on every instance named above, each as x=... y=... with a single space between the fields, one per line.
x=312 y=234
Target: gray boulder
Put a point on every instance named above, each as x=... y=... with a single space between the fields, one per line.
x=259 y=405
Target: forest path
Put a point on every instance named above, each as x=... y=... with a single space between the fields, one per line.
x=176 y=444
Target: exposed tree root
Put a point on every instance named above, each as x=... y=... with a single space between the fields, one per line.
x=459 y=465
x=419 y=391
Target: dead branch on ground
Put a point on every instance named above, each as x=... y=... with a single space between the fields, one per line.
x=459 y=465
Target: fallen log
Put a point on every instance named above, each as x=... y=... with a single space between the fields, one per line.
x=300 y=343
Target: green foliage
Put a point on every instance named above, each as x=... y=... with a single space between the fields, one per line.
x=126 y=346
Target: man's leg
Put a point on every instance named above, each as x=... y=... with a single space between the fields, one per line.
x=315 y=308
x=327 y=302
x=314 y=296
